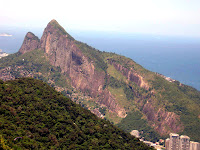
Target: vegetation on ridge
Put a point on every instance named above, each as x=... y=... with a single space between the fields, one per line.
x=93 y=55
x=134 y=121
x=34 y=116
x=60 y=29
x=33 y=36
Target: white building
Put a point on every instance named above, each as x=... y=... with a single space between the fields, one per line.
x=184 y=142
x=167 y=143
x=174 y=141
x=135 y=133
x=194 y=145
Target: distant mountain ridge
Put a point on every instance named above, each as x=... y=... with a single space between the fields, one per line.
x=107 y=84
x=30 y=43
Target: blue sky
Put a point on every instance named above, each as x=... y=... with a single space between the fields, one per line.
x=158 y=17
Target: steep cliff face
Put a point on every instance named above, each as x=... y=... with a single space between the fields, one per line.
x=164 y=122
x=61 y=50
x=130 y=74
x=30 y=43
x=161 y=120
x=108 y=100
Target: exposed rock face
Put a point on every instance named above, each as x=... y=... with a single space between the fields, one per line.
x=109 y=101
x=130 y=74
x=62 y=52
x=164 y=122
x=96 y=112
x=30 y=43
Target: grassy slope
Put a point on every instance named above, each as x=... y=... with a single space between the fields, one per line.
x=42 y=118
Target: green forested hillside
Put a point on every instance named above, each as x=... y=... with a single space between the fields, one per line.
x=34 y=116
x=134 y=120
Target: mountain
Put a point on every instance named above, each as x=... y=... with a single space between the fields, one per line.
x=30 y=43
x=111 y=86
x=35 y=116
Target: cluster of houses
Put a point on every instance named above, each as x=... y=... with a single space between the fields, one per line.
x=174 y=142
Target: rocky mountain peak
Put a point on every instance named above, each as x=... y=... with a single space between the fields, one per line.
x=54 y=26
x=31 y=35
x=31 y=42
x=55 y=38
x=53 y=21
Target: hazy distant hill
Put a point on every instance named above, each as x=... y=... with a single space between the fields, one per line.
x=2 y=54
x=111 y=86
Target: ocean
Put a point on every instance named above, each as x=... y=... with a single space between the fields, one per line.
x=174 y=57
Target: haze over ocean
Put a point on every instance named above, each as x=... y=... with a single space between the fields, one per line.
x=175 y=57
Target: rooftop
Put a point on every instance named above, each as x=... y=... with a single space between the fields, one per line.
x=194 y=142
x=184 y=136
x=173 y=134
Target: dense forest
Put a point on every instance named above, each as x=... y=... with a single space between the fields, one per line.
x=35 y=116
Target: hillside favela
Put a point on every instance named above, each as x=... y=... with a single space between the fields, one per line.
x=113 y=75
